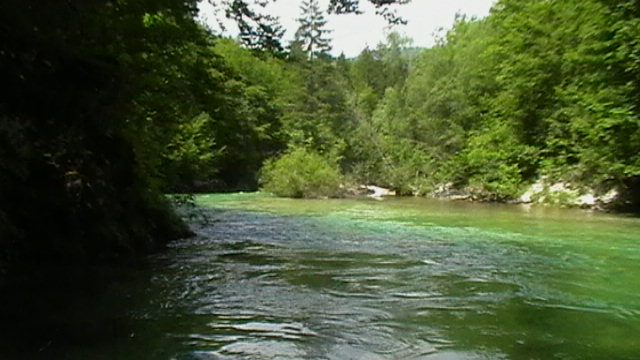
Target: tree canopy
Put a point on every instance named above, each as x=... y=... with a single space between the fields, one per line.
x=310 y=36
x=107 y=105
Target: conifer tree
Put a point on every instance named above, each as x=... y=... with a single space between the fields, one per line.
x=310 y=36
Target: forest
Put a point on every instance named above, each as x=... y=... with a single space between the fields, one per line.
x=106 y=106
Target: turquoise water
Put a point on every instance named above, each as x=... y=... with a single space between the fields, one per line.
x=270 y=278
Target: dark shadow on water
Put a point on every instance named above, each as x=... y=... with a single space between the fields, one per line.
x=69 y=308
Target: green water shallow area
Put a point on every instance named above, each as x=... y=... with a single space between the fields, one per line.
x=405 y=278
x=456 y=280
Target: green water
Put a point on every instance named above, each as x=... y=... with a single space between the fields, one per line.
x=270 y=278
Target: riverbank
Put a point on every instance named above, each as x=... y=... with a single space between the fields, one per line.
x=543 y=192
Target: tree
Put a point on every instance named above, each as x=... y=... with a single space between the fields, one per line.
x=257 y=31
x=310 y=34
x=261 y=31
x=73 y=187
x=383 y=7
x=302 y=173
x=317 y=115
x=261 y=87
x=376 y=98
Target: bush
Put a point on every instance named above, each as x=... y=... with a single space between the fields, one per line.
x=302 y=173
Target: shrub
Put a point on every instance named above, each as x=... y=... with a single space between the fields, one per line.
x=302 y=173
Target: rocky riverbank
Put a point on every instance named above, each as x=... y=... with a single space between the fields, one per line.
x=543 y=192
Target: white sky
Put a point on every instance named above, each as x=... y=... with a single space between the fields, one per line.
x=352 y=33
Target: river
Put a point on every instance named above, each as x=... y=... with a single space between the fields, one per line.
x=271 y=278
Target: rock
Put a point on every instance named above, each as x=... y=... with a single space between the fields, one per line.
x=460 y=197
x=560 y=187
x=449 y=191
x=444 y=188
x=533 y=190
x=586 y=200
x=378 y=192
x=544 y=191
x=610 y=197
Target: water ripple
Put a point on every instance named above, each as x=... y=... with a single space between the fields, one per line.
x=260 y=286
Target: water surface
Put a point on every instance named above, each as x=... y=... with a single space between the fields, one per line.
x=270 y=278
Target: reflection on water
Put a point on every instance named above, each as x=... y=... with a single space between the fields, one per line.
x=384 y=280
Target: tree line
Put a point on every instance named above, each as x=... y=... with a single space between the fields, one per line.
x=537 y=90
x=107 y=105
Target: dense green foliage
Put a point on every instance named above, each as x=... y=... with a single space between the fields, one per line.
x=539 y=89
x=72 y=189
x=302 y=173
x=105 y=105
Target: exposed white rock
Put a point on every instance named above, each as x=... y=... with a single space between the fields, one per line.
x=379 y=192
x=444 y=188
x=537 y=187
x=533 y=190
x=526 y=197
x=560 y=187
x=610 y=196
x=564 y=193
x=587 y=200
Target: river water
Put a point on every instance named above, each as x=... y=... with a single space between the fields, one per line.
x=270 y=278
